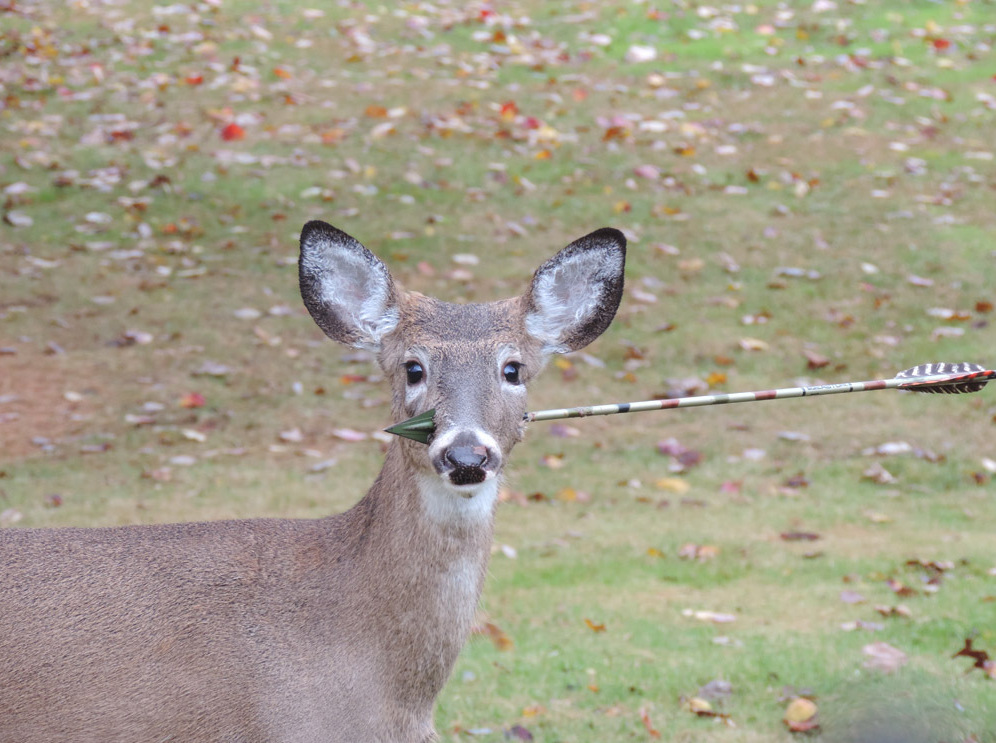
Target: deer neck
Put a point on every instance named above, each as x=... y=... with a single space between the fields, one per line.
x=415 y=509
x=422 y=553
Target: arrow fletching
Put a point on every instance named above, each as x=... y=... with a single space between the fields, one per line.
x=963 y=377
x=938 y=377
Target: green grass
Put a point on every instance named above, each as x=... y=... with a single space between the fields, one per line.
x=217 y=234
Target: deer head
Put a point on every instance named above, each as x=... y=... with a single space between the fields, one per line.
x=470 y=362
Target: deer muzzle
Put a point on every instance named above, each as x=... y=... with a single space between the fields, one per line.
x=465 y=458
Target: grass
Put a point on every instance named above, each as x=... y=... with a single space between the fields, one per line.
x=427 y=131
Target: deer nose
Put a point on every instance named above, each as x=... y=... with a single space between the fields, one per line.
x=467 y=463
x=467 y=456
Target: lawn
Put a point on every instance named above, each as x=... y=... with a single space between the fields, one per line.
x=807 y=192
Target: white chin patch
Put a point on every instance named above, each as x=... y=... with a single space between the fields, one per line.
x=445 y=502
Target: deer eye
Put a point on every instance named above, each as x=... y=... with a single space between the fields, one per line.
x=511 y=372
x=414 y=371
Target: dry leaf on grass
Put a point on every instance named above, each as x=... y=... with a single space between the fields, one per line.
x=881 y=656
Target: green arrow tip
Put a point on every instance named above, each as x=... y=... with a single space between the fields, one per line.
x=419 y=428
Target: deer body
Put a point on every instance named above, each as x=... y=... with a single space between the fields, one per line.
x=343 y=628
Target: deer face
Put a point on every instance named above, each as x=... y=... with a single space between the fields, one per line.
x=471 y=363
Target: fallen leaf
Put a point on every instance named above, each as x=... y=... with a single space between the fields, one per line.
x=18 y=219
x=899 y=610
x=233 y=132
x=552 y=461
x=10 y=516
x=211 y=369
x=349 y=434
x=881 y=656
x=673 y=485
x=160 y=474
x=981 y=658
x=709 y=616
x=564 y=431
x=899 y=588
x=594 y=627
x=700 y=552
x=753 y=344
x=801 y=715
x=192 y=400
x=517 y=732
x=490 y=630
x=645 y=718
x=715 y=690
x=698 y=705
x=815 y=360
x=878 y=474
x=799 y=536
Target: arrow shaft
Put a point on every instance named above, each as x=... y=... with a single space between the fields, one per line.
x=735 y=397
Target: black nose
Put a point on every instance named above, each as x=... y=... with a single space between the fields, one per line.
x=467 y=456
x=468 y=464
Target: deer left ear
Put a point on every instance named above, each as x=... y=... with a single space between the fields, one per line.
x=575 y=294
x=346 y=288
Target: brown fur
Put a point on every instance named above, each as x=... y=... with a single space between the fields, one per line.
x=337 y=629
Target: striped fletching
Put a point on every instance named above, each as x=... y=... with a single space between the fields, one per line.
x=965 y=377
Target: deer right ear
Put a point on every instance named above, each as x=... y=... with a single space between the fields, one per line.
x=575 y=294
x=346 y=288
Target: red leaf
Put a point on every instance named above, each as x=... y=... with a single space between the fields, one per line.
x=233 y=132
x=194 y=79
x=509 y=110
x=192 y=400
x=941 y=44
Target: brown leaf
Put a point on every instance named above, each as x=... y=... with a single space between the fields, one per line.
x=495 y=634
x=815 y=360
x=797 y=481
x=799 y=536
x=980 y=657
x=593 y=626
x=900 y=588
x=645 y=717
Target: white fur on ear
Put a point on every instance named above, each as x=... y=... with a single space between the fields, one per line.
x=346 y=288
x=575 y=294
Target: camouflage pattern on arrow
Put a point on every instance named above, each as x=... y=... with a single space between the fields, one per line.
x=935 y=377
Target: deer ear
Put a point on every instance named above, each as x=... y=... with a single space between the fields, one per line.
x=346 y=288
x=575 y=294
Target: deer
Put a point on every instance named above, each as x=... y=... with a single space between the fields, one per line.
x=342 y=629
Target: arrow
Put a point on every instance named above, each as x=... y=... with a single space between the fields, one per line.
x=937 y=377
